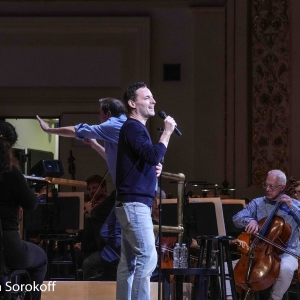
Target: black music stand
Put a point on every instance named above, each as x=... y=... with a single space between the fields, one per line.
x=229 y=210
x=188 y=222
x=57 y=215
x=199 y=218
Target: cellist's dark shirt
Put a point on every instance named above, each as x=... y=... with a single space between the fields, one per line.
x=260 y=208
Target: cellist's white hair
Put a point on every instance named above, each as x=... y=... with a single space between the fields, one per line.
x=281 y=176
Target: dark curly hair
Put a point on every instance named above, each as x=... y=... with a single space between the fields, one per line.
x=96 y=179
x=293 y=184
x=130 y=93
x=8 y=137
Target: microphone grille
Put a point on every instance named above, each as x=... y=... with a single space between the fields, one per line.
x=162 y=114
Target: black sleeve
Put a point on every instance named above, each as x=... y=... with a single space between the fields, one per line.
x=22 y=193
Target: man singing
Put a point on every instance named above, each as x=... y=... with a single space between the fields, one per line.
x=136 y=182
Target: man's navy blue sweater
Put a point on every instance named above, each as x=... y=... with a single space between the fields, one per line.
x=137 y=158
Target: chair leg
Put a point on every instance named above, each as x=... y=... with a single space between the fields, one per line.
x=75 y=267
x=17 y=277
x=293 y=289
x=297 y=285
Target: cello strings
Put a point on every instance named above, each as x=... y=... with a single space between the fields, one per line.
x=267 y=222
x=277 y=246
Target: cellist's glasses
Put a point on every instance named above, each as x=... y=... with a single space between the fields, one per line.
x=271 y=186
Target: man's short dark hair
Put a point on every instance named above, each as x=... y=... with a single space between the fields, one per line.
x=130 y=93
x=96 y=179
x=115 y=106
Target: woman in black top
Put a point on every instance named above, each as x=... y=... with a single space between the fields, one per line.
x=15 y=193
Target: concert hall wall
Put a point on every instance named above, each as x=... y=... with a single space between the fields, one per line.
x=59 y=57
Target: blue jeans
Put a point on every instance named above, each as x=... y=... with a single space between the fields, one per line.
x=138 y=252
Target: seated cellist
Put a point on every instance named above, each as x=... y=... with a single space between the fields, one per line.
x=289 y=211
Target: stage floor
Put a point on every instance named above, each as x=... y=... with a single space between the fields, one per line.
x=86 y=290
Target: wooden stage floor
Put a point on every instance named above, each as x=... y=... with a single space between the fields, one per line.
x=86 y=290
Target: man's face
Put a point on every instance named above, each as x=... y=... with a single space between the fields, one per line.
x=144 y=103
x=102 y=116
x=92 y=189
x=297 y=193
x=43 y=190
x=273 y=187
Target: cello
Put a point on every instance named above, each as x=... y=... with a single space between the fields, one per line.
x=167 y=245
x=259 y=267
x=167 y=250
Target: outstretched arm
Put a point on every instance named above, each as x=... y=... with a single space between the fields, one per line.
x=68 y=131
x=96 y=146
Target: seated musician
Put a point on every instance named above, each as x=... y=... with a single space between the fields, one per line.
x=16 y=193
x=40 y=189
x=110 y=255
x=294 y=190
x=90 y=243
x=262 y=207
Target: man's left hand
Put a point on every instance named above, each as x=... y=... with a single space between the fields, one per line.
x=158 y=169
x=287 y=200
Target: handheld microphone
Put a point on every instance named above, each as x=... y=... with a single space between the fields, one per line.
x=163 y=115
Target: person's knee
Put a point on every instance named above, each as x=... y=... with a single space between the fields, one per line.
x=286 y=271
x=86 y=263
x=42 y=257
x=288 y=264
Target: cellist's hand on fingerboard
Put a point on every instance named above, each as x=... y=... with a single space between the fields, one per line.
x=287 y=200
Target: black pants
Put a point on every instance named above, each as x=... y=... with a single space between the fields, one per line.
x=19 y=254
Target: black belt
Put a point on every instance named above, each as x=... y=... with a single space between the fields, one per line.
x=119 y=204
